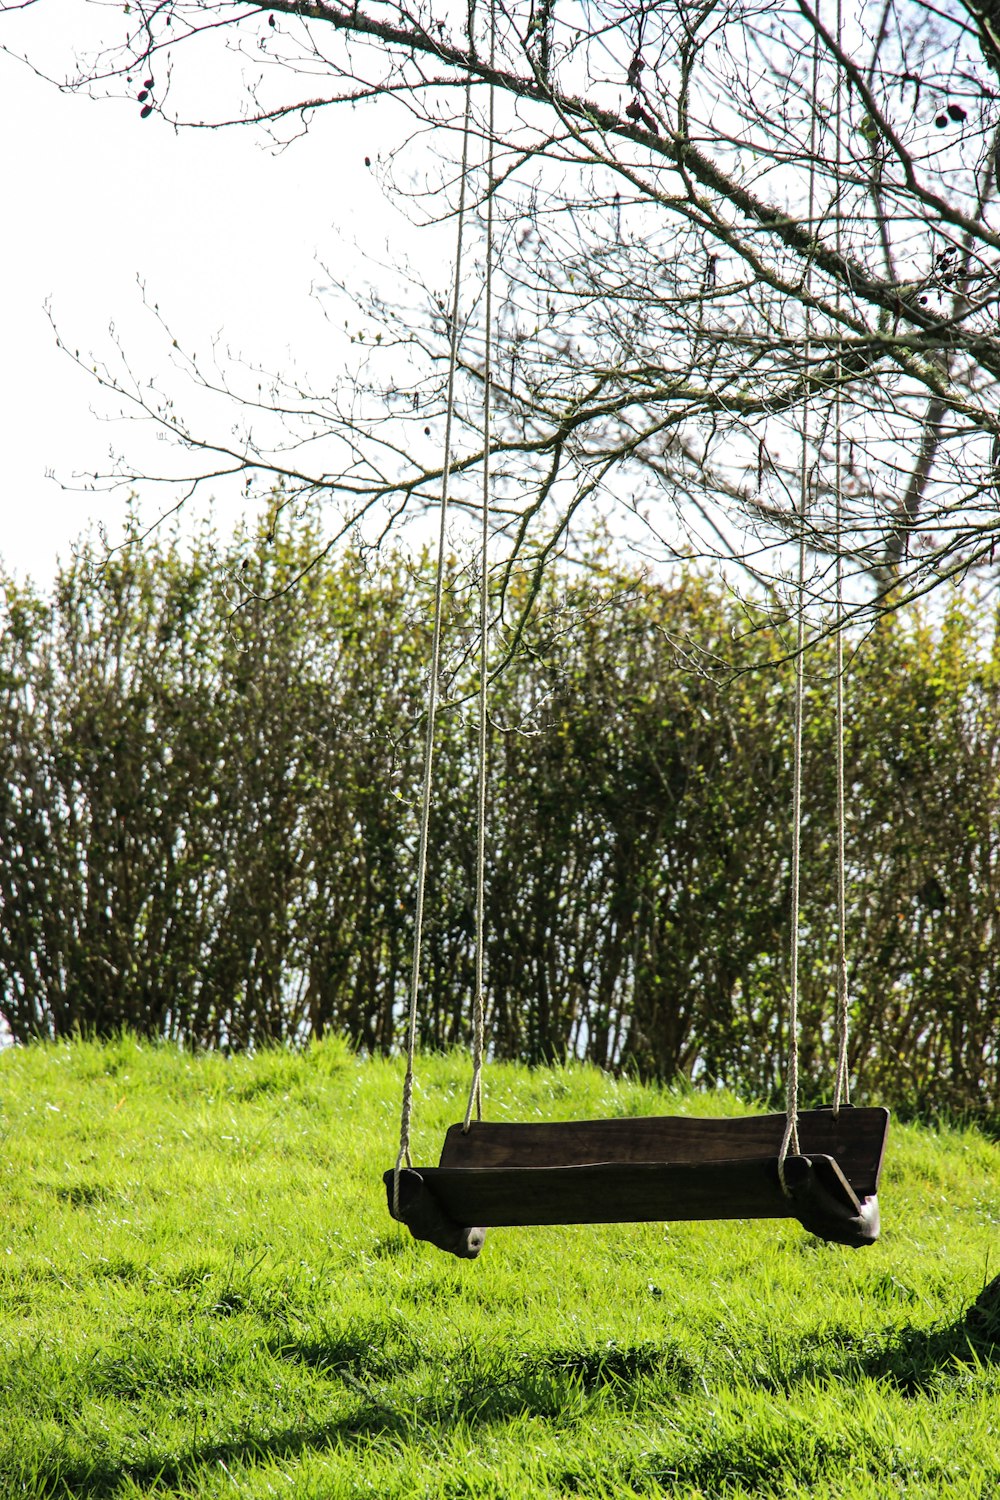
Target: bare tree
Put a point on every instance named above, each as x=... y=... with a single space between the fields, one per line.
x=745 y=252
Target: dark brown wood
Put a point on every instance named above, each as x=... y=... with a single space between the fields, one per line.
x=425 y=1218
x=824 y=1202
x=655 y=1169
x=610 y=1194
x=607 y=1194
x=855 y=1138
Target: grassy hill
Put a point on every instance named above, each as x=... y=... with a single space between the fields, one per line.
x=201 y=1294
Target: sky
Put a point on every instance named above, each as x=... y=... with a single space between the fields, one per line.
x=227 y=237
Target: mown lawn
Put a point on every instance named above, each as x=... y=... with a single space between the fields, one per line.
x=201 y=1294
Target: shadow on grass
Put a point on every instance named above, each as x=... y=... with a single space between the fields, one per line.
x=613 y=1364
x=912 y=1360
x=84 y=1194
x=365 y=1350
x=166 y=1473
x=499 y=1385
x=486 y=1387
x=758 y=1465
x=916 y=1357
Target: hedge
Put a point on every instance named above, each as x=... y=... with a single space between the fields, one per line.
x=208 y=819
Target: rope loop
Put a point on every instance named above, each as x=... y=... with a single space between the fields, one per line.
x=842 y=1085
x=790 y=1139
x=406 y=1113
x=475 y=1103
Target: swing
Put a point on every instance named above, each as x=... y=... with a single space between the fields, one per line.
x=819 y=1166
x=645 y=1170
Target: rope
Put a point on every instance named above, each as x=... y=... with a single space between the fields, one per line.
x=432 y=688
x=790 y=1138
x=841 y=1092
x=475 y=1104
x=841 y=1087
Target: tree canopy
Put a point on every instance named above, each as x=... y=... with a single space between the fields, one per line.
x=745 y=263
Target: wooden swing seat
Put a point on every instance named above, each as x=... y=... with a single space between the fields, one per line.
x=648 y=1169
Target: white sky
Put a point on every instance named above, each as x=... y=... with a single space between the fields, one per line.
x=226 y=236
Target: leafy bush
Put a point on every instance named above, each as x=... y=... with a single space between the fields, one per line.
x=208 y=821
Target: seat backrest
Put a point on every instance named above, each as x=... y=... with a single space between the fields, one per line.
x=855 y=1138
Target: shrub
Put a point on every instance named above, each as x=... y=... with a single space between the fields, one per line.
x=208 y=820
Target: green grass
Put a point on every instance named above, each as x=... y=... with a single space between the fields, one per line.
x=201 y=1295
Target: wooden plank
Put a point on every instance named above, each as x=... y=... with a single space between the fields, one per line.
x=855 y=1138
x=609 y=1193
